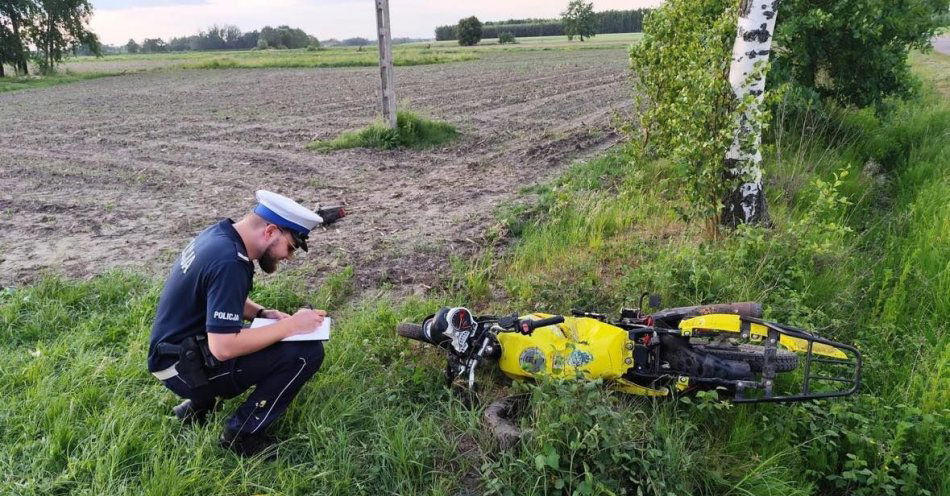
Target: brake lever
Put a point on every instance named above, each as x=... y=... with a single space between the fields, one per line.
x=508 y=322
x=471 y=374
x=473 y=362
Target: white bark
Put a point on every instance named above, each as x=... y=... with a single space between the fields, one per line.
x=752 y=47
x=387 y=85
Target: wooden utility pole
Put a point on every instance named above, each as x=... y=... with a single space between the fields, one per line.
x=387 y=88
x=746 y=204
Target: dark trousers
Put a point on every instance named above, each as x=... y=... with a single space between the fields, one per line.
x=277 y=373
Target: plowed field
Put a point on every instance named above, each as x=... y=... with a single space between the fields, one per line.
x=122 y=171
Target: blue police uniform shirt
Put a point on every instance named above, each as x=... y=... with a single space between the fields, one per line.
x=205 y=291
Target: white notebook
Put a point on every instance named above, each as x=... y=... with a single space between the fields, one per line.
x=321 y=333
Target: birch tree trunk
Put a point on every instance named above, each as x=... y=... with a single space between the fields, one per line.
x=746 y=204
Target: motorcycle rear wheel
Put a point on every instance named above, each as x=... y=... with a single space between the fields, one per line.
x=754 y=355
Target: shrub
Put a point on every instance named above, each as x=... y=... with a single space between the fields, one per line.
x=870 y=446
x=469 y=31
x=581 y=439
x=411 y=131
x=688 y=107
x=855 y=51
x=506 y=37
x=942 y=19
x=285 y=37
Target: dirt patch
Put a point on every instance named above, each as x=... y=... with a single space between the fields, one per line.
x=941 y=44
x=122 y=171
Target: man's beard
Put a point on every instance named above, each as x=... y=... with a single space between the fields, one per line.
x=268 y=262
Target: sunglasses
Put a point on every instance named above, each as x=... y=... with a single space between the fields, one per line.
x=298 y=241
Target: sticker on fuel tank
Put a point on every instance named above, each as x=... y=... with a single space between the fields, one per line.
x=532 y=360
x=579 y=358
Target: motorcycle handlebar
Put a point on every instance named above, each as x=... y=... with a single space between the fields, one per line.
x=528 y=326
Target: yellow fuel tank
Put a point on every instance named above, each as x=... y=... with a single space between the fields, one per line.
x=578 y=346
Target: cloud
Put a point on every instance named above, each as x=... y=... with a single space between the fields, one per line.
x=115 y=22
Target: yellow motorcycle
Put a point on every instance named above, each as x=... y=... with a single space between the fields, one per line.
x=724 y=346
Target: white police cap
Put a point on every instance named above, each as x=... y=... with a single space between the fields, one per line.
x=286 y=213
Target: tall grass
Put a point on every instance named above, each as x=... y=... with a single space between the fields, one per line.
x=81 y=415
x=411 y=131
x=319 y=59
x=13 y=83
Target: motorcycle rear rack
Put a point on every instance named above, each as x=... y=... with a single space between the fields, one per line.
x=853 y=362
x=765 y=380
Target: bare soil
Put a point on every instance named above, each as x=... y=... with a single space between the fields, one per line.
x=941 y=44
x=123 y=171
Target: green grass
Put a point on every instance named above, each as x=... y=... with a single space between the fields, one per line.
x=317 y=59
x=81 y=415
x=450 y=50
x=247 y=59
x=14 y=83
x=935 y=67
x=434 y=52
x=411 y=131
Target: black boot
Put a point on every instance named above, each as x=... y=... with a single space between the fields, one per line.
x=188 y=413
x=247 y=444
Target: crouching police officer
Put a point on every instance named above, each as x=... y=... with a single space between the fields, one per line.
x=199 y=348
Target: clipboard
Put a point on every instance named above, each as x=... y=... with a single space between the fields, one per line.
x=321 y=333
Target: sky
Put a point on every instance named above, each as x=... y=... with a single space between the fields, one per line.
x=115 y=21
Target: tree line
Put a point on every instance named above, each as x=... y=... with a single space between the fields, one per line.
x=608 y=21
x=43 y=31
x=228 y=37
